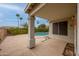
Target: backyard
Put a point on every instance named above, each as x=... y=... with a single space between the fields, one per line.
x=40 y=30
x=24 y=32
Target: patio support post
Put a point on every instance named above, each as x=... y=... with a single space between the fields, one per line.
x=77 y=53
x=50 y=28
x=31 y=42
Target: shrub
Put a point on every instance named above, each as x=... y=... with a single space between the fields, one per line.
x=16 y=31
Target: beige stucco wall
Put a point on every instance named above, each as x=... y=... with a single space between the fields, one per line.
x=3 y=33
x=77 y=29
x=69 y=37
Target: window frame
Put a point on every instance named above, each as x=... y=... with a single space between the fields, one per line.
x=58 y=29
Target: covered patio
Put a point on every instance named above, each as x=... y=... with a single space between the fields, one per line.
x=62 y=21
x=17 y=46
x=62 y=30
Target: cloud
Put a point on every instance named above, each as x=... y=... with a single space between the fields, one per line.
x=1 y=15
x=11 y=20
x=11 y=7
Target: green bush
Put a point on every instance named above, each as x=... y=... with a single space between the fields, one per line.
x=16 y=31
x=41 y=30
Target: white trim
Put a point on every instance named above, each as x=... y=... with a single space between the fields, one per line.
x=39 y=7
x=26 y=7
x=77 y=48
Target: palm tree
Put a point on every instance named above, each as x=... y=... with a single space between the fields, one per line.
x=18 y=15
x=20 y=20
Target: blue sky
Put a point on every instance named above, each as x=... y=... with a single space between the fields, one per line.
x=8 y=13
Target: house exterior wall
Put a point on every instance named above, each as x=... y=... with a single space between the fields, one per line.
x=77 y=29
x=69 y=37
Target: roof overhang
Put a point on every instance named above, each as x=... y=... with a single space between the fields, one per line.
x=52 y=10
x=28 y=7
x=32 y=8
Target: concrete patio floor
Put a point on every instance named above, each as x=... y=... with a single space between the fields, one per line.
x=17 y=46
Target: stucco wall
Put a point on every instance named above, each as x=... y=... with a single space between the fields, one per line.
x=77 y=29
x=3 y=33
x=69 y=37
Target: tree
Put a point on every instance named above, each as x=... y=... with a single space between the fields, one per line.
x=21 y=20
x=42 y=26
x=18 y=15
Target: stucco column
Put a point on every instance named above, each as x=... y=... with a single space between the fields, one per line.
x=31 y=40
x=50 y=28
x=74 y=19
x=77 y=29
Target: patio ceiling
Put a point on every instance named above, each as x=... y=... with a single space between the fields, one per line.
x=54 y=11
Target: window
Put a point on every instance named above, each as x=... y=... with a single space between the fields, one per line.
x=60 y=28
x=63 y=28
x=55 y=28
